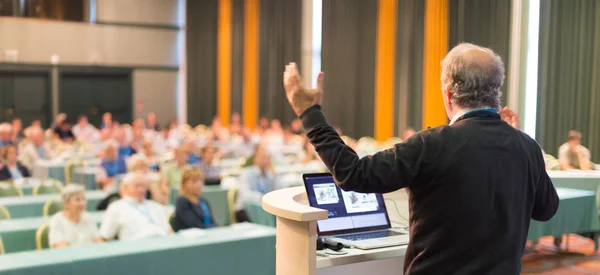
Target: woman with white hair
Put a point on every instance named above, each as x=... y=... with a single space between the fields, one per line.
x=73 y=226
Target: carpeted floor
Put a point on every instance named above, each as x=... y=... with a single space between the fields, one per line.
x=546 y=259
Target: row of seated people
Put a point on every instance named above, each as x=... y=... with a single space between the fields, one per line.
x=131 y=217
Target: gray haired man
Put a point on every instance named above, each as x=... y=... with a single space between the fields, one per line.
x=473 y=185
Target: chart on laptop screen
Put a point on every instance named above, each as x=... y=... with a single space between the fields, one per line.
x=347 y=210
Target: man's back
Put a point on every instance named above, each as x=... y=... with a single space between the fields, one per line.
x=477 y=186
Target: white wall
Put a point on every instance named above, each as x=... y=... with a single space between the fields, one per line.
x=155 y=89
x=146 y=49
x=152 y=12
x=78 y=43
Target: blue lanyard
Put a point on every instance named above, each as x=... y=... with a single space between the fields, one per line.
x=143 y=212
x=205 y=213
x=261 y=185
x=41 y=152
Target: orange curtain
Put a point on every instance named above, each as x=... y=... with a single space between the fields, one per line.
x=251 y=38
x=224 y=61
x=387 y=18
x=436 y=47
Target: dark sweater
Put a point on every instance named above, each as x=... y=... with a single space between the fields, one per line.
x=473 y=188
x=189 y=215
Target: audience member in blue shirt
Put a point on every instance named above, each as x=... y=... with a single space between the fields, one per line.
x=125 y=149
x=112 y=163
x=191 y=210
x=12 y=170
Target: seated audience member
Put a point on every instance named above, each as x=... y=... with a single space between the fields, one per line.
x=409 y=132
x=58 y=120
x=11 y=168
x=73 y=225
x=191 y=147
x=6 y=136
x=134 y=217
x=125 y=149
x=241 y=147
x=84 y=131
x=148 y=153
x=151 y=122
x=158 y=188
x=191 y=210
x=207 y=164
x=255 y=181
x=36 y=124
x=308 y=152
x=296 y=127
x=263 y=126
x=106 y=120
x=64 y=132
x=36 y=150
x=112 y=163
x=17 y=130
x=137 y=140
x=274 y=138
x=572 y=155
x=173 y=171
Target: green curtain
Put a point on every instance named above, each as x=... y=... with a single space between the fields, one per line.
x=409 y=65
x=569 y=73
x=280 y=43
x=201 y=60
x=485 y=23
x=348 y=60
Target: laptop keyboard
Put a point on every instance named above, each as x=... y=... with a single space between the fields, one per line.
x=370 y=235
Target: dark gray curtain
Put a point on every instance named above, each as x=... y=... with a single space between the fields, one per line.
x=280 y=43
x=237 y=55
x=485 y=23
x=409 y=64
x=201 y=58
x=569 y=74
x=348 y=60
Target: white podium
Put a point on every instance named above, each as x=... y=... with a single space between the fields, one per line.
x=296 y=241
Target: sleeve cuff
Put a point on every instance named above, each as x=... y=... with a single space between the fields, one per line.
x=313 y=117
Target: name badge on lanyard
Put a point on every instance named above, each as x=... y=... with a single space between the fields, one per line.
x=205 y=213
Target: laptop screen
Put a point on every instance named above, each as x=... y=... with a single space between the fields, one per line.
x=348 y=211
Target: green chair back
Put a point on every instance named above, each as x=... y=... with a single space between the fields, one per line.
x=2 y=251
x=52 y=207
x=8 y=189
x=41 y=237
x=48 y=186
x=4 y=213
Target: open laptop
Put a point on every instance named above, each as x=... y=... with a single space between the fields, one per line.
x=355 y=219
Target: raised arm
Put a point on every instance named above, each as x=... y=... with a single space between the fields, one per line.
x=383 y=172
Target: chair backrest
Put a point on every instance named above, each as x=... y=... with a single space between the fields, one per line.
x=70 y=167
x=41 y=237
x=231 y=201
x=47 y=186
x=4 y=213
x=52 y=207
x=2 y=246
x=8 y=189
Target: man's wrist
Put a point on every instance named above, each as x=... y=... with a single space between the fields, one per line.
x=313 y=117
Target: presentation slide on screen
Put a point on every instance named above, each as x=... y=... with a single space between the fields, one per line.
x=359 y=202
x=326 y=193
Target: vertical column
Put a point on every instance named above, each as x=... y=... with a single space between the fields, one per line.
x=385 y=69
x=251 y=40
x=224 y=61
x=307 y=42
x=436 y=47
